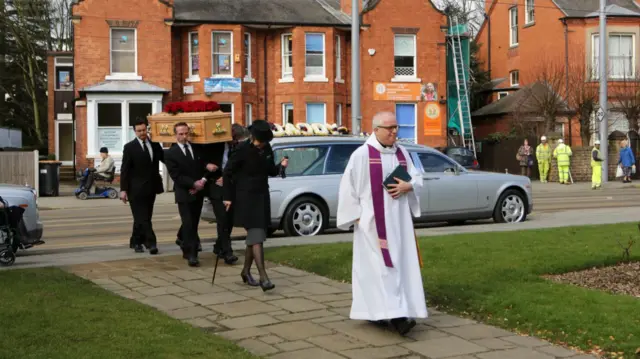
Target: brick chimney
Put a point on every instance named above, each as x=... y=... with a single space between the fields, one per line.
x=345 y=5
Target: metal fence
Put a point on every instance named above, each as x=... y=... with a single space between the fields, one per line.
x=19 y=168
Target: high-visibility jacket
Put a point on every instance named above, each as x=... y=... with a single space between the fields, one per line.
x=563 y=153
x=595 y=163
x=543 y=152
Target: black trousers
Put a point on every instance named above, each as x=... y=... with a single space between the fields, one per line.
x=142 y=210
x=190 y=217
x=224 y=226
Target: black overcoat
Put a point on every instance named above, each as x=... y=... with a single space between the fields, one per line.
x=246 y=184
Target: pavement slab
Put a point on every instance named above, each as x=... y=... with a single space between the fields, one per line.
x=306 y=315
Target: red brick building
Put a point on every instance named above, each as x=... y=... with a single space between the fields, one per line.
x=282 y=61
x=520 y=37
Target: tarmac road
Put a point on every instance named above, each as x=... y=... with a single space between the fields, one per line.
x=107 y=223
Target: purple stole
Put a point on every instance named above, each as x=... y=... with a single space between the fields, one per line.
x=377 y=193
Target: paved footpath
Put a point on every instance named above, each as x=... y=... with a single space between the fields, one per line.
x=306 y=315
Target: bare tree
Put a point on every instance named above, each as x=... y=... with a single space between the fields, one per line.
x=60 y=19
x=582 y=96
x=469 y=12
x=626 y=98
x=542 y=100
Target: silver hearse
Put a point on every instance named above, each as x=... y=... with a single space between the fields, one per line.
x=304 y=203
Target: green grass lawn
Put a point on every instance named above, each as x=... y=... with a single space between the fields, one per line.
x=49 y=314
x=495 y=278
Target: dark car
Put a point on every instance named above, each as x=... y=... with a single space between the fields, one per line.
x=462 y=155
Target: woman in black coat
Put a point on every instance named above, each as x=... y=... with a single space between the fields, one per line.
x=246 y=187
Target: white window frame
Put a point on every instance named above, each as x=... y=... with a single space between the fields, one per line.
x=513 y=27
x=248 y=76
x=231 y=59
x=124 y=99
x=595 y=69
x=285 y=118
x=502 y=94
x=511 y=82
x=248 y=114
x=414 y=77
x=338 y=120
x=286 y=76
x=324 y=107
x=529 y=12
x=316 y=78
x=191 y=77
x=338 y=45
x=233 y=110
x=57 y=63
x=415 y=118
x=123 y=75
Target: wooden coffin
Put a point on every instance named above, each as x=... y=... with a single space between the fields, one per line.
x=206 y=127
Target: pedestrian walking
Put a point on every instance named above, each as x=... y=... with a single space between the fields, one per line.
x=140 y=182
x=188 y=168
x=525 y=157
x=596 y=166
x=543 y=155
x=626 y=160
x=562 y=154
x=246 y=190
x=386 y=279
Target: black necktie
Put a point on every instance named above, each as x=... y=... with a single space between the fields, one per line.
x=146 y=150
x=188 y=151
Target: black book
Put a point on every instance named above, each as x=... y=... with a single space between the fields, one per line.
x=400 y=173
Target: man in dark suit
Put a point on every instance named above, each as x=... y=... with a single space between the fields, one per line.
x=140 y=182
x=188 y=168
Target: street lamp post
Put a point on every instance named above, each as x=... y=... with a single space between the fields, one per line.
x=355 y=68
x=603 y=116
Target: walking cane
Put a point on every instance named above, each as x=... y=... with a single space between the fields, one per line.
x=570 y=177
x=215 y=269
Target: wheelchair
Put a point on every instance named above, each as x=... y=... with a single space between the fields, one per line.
x=103 y=186
x=9 y=233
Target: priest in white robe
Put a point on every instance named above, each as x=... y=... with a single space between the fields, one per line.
x=386 y=278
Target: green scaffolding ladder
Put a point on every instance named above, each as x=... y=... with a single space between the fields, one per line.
x=463 y=109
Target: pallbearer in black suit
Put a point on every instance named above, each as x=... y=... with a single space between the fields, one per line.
x=246 y=189
x=140 y=182
x=188 y=168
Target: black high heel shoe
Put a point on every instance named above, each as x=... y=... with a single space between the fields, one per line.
x=266 y=285
x=248 y=279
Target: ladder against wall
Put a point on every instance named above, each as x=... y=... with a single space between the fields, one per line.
x=460 y=114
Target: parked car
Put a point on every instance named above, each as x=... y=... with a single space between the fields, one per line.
x=31 y=227
x=304 y=203
x=462 y=155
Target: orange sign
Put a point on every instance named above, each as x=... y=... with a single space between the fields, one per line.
x=432 y=119
x=390 y=91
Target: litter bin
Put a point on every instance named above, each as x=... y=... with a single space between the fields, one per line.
x=49 y=178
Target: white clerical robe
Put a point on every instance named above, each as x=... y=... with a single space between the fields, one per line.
x=381 y=292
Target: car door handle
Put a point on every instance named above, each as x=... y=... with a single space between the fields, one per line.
x=431 y=178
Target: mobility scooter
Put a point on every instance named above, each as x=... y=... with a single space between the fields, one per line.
x=103 y=186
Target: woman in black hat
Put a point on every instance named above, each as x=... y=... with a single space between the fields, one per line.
x=246 y=182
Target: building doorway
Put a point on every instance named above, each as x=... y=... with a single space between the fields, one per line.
x=64 y=142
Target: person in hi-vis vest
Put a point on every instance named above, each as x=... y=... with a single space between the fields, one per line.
x=562 y=154
x=543 y=155
x=596 y=166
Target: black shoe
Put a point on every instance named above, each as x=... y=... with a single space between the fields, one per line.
x=138 y=248
x=230 y=259
x=266 y=285
x=153 y=250
x=248 y=279
x=193 y=261
x=403 y=325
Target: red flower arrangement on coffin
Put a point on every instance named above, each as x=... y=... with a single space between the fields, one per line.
x=191 y=106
